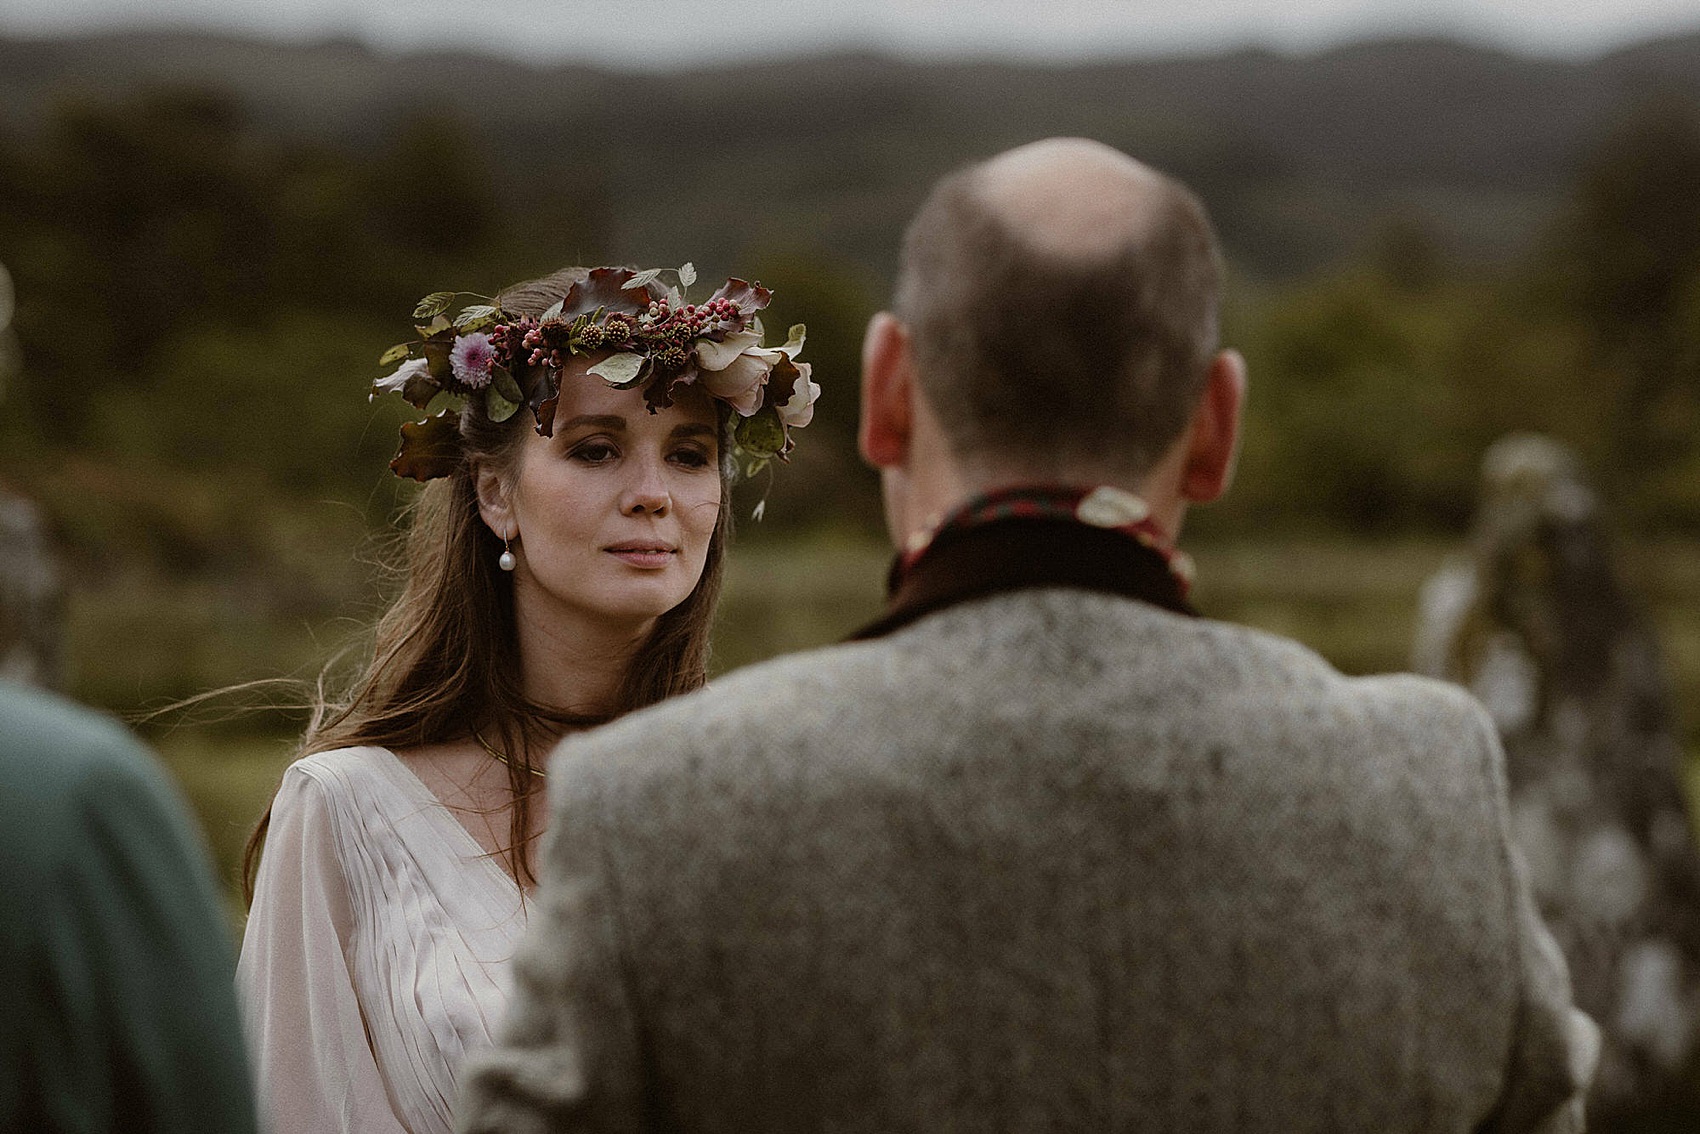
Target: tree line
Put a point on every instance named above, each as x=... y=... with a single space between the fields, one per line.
x=202 y=300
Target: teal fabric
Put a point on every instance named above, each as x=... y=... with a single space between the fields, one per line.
x=117 y=1002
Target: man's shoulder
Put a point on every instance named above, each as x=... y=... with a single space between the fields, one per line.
x=1100 y=655
x=80 y=796
x=1276 y=686
x=53 y=750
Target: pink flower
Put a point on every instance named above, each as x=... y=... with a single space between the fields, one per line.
x=471 y=359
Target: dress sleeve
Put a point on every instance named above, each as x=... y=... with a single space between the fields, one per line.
x=568 y=1055
x=312 y=1056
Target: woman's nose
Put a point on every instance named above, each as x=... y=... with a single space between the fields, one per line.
x=648 y=491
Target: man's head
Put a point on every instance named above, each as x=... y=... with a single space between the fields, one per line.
x=1055 y=319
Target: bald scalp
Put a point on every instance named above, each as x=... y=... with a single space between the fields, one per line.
x=1071 y=198
x=1062 y=303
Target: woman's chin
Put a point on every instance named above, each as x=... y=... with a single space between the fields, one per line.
x=641 y=599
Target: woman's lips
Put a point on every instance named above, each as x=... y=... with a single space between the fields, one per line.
x=650 y=555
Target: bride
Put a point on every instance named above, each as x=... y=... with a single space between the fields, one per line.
x=556 y=577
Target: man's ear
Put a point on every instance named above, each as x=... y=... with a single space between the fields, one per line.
x=1214 y=434
x=888 y=381
x=495 y=502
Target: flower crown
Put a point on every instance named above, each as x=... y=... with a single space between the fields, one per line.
x=658 y=341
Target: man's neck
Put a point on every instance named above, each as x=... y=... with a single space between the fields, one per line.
x=934 y=481
x=916 y=505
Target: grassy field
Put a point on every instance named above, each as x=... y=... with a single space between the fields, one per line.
x=1353 y=602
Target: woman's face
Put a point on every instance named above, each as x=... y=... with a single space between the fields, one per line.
x=615 y=511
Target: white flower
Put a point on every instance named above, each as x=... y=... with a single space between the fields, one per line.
x=799 y=410
x=717 y=356
x=736 y=369
x=739 y=382
x=397 y=383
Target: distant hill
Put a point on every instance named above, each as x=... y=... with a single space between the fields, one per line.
x=1302 y=158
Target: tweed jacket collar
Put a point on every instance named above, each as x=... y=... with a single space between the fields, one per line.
x=982 y=559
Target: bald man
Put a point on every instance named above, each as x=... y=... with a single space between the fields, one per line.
x=1040 y=850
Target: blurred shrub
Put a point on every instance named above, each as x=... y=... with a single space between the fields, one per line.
x=1624 y=264
x=202 y=297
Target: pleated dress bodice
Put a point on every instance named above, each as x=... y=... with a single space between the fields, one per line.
x=377 y=953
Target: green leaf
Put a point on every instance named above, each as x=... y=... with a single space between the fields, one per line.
x=499 y=406
x=437 y=327
x=481 y=313
x=641 y=279
x=687 y=274
x=619 y=370
x=444 y=401
x=394 y=354
x=437 y=358
x=503 y=383
x=761 y=435
x=434 y=304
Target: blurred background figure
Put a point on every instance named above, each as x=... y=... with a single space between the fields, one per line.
x=8 y=339
x=118 y=1011
x=1535 y=620
x=30 y=597
x=31 y=607
x=117 y=1007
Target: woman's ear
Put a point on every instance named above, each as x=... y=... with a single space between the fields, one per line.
x=887 y=389
x=495 y=502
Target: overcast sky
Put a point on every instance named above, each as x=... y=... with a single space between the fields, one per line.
x=665 y=33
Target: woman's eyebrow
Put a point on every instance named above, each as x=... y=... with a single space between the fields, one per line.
x=695 y=429
x=595 y=421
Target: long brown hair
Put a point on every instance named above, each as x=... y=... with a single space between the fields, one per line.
x=445 y=657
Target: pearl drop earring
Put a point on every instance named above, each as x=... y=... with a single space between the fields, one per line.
x=506 y=561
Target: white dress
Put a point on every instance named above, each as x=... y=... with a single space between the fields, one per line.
x=377 y=951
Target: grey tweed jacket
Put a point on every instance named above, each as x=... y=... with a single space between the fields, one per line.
x=1046 y=861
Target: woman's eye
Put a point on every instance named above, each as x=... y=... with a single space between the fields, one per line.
x=595 y=452
x=692 y=458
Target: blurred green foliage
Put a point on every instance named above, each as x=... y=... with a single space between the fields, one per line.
x=1377 y=385
x=202 y=298
x=203 y=295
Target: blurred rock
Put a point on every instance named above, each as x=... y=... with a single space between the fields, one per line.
x=1534 y=620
